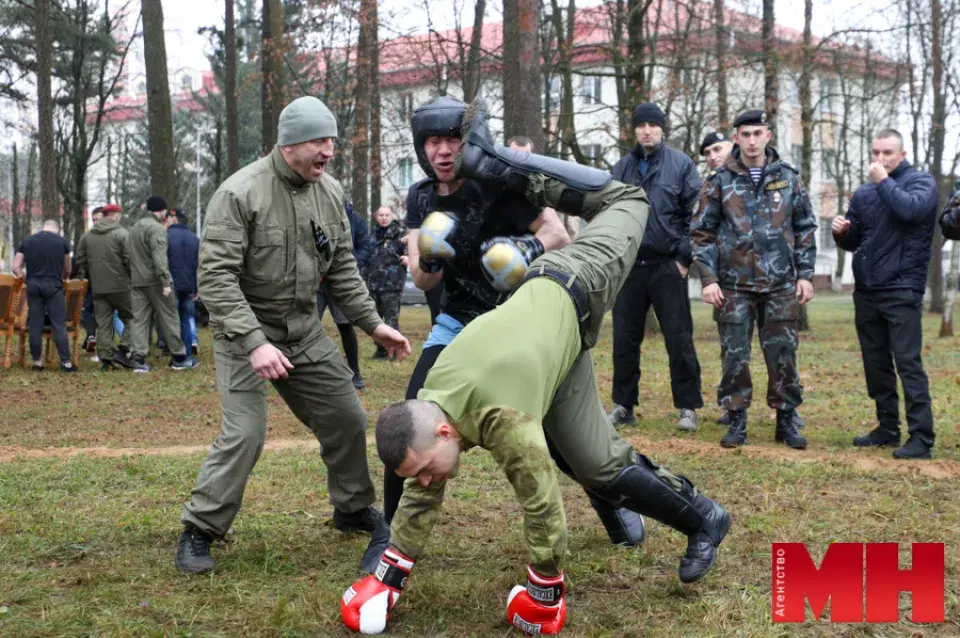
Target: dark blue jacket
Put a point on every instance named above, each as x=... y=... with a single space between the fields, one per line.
x=183 y=249
x=891 y=229
x=672 y=185
x=362 y=240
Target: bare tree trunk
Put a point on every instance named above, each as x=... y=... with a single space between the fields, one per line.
x=162 y=174
x=946 y=326
x=230 y=85
x=806 y=118
x=937 y=138
x=566 y=129
x=48 y=162
x=471 y=79
x=14 y=198
x=771 y=92
x=376 y=161
x=271 y=60
x=522 y=109
x=361 y=111
x=720 y=35
x=29 y=193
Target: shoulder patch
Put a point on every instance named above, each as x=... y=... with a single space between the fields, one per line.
x=773 y=186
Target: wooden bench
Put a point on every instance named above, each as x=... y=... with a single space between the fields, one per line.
x=12 y=295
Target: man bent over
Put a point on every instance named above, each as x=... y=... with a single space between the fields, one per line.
x=519 y=381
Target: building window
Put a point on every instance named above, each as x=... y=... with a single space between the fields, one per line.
x=552 y=97
x=592 y=91
x=796 y=152
x=828 y=89
x=406 y=172
x=794 y=94
x=826 y=236
x=829 y=164
x=406 y=106
x=592 y=151
x=186 y=82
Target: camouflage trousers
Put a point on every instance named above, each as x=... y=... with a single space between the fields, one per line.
x=388 y=306
x=776 y=315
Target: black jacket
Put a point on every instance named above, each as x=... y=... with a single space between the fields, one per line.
x=672 y=185
x=891 y=229
x=183 y=249
x=362 y=241
x=950 y=221
x=387 y=272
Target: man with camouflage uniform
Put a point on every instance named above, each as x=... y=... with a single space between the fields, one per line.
x=387 y=273
x=102 y=256
x=273 y=229
x=754 y=240
x=519 y=382
x=152 y=291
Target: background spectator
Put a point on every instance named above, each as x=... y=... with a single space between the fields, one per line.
x=387 y=271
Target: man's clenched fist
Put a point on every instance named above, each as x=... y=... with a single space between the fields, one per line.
x=366 y=605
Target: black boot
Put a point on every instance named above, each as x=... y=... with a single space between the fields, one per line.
x=624 y=527
x=724 y=419
x=880 y=436
x=798 y=420
x=914 y=448
x=703 y=521
x=366 y=520
x=737 y=434
x=787 y=430
x=379 y=540
x=193 y=553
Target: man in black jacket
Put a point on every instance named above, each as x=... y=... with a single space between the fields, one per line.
x=890 y=226
x=183 y=250
x=950 y=220
x=659 y=276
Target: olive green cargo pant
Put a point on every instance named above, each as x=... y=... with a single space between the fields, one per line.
x=320 y=393
x=148 y=301
x=103 y=309
x=599 y=259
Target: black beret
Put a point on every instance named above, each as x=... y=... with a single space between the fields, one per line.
x=710 y=140
x=156 y=203
x=750 y=118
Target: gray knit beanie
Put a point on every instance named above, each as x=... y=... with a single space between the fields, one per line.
x=305 y=119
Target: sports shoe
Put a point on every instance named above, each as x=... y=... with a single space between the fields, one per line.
x=68 y=367
x=688 y=420
x=138 y=364
x=194 y=348
x=183 y=363
x=621 y=415
x=122 y=357
x=193 y=551
x=358 y=382
x=914 y=448
x=879 y=436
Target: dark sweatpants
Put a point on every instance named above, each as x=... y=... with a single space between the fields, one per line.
x=658 y=284
x=890 y=330
x=47 y=297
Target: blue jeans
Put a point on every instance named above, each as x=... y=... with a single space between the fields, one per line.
x=443 y=331
x=188 y=325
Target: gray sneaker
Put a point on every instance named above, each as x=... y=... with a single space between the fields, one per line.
x=688 y=420
x=621 y=415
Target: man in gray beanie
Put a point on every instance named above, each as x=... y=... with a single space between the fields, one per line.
x=275 y=229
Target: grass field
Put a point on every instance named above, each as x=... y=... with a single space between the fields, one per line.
x=94 y=468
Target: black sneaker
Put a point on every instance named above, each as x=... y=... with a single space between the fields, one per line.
x=879 y=437
x=787 y=431
x=68 y=367
x=366 y=520
x=914 y=448
x=90 y=343
x=122 y=357
x=193 y=551
x=358 y=382
x=621 y=415
x=138 y=364
x=380 y=354
x=183 y=363
x=737 y=434
x=38 y=366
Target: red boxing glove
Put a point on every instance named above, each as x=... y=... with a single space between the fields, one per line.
x=366 y=605
x=539 y=607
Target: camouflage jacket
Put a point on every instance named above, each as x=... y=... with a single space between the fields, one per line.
x=756 y=238
x=387 y=273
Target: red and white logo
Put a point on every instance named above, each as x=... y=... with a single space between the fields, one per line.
x=862 y=581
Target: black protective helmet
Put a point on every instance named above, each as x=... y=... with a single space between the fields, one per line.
x=440 y=116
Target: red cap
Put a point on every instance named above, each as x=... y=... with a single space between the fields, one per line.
x=111 y=208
